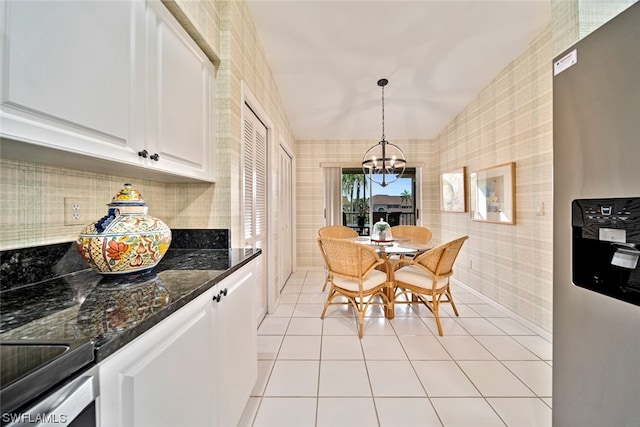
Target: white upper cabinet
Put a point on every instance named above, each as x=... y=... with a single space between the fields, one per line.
x=180 y=86
x=72 y=76
x=114 y=84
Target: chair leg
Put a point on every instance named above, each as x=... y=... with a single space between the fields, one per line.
x=453 y=304
x=326 y=282
x=437 y=315
x=360 y=323
x=332 y=292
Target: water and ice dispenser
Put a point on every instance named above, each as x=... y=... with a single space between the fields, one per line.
x=606 y=247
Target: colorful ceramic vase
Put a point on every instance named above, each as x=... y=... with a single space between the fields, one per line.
x=126 y=240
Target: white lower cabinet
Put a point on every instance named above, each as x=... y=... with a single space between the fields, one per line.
x=167 y=377
x=237 y=342
x=196 y=368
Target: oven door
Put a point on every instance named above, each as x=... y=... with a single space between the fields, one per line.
x=71 y=404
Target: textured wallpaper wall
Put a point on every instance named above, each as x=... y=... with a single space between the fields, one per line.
x=32 y=202
x=572 y=20
x=510 y=121
x=594 y=13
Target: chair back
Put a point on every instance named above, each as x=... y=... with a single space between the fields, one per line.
x=337 y=231
x=414 y=233
x=348 y=259
x=440 y=259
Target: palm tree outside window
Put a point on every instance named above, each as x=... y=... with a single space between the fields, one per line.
x=360 y=198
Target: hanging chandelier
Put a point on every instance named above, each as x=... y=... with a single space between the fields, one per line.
x=383 y=163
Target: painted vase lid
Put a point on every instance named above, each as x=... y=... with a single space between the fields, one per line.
x=128 y=196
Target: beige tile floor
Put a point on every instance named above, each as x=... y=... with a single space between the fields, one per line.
x=488 y=369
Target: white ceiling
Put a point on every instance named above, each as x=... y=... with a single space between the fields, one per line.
x=327 y=56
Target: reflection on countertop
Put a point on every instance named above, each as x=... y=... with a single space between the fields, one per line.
x=114 y=307
x=112 y=311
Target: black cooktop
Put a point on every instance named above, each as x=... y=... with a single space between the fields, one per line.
x=29 y=368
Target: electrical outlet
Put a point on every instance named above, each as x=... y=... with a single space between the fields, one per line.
x=74 y=210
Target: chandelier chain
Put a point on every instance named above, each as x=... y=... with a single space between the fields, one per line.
x=383 y=137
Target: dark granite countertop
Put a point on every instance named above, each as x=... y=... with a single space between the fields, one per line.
x=113 y=311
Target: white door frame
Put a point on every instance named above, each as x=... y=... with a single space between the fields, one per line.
x=292 y=243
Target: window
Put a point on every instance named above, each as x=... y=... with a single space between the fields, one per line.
x=364 y=202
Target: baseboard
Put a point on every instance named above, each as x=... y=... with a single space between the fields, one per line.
x=529 y=324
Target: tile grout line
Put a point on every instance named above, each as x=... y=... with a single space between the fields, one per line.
x=395 y=330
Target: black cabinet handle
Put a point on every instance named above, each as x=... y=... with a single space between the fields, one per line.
x=222 y=293
x=155 y=157
x=143 y=154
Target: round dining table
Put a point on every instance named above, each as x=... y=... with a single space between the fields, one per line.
x=387 y=249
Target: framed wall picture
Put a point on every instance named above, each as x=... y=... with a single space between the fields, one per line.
x=493 y=197
x=453 y=191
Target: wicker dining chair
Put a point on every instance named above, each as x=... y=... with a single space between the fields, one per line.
x=353 y=275
x=413 y=233
x=339 y=232
x=426 y=278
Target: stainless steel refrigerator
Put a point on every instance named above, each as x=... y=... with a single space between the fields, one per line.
x=596 y=267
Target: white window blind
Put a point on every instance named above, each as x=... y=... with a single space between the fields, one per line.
x=255 y=180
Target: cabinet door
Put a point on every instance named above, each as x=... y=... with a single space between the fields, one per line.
x=239 y=349
x=181 y=90
x=168 y=376
x=71 y=76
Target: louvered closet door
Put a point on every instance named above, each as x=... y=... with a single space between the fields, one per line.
x=285 y=232
x=255 y=195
